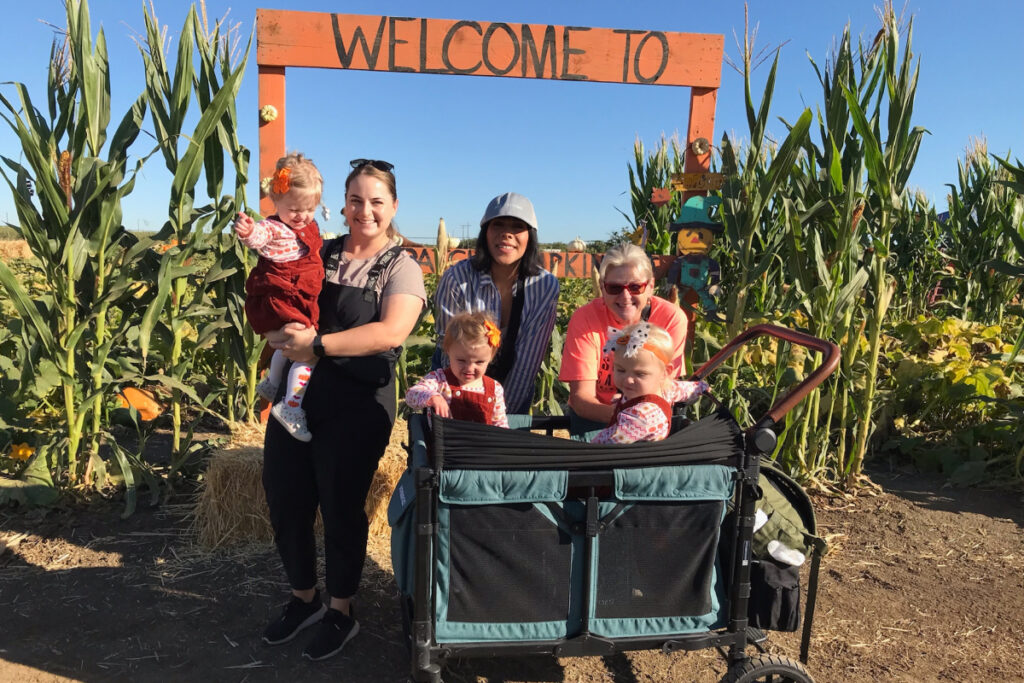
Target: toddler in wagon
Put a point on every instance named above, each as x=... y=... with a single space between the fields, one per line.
x=642 y=356
x=462 y=390
x=285 y=284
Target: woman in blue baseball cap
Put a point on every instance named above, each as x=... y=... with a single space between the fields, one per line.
x=505 y=279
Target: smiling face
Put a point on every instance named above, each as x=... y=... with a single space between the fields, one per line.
x=296 y=209
x=469 y=363
x=625 y=306
x=507 y=238
x=694 y=240
x=369 y=207
x=640 y=375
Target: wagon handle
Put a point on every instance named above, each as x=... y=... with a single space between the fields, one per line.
x=787 y=401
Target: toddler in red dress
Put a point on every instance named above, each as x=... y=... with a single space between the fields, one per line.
x=285 y=284
x=462 y=390
x=643 y=354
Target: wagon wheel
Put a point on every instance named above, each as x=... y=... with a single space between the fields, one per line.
x=767 y=668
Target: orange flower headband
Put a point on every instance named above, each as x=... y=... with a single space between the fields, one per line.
x=633 y=342
x=282 y=181
x=493 y=334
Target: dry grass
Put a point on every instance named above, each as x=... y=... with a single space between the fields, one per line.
x=12 y=250
x=231 y=509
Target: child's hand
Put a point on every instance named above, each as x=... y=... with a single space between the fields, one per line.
x=439 y=405
x=244 y=224
x=691 y=391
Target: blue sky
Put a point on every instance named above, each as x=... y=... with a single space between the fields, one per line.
x=457 y=141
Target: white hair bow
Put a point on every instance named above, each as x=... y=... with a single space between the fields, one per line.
x=633 y=342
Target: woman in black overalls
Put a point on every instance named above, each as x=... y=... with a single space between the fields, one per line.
x=350 y=408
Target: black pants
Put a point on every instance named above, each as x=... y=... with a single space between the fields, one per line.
x=351 y=426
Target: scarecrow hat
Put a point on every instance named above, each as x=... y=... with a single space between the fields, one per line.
x=694 y=215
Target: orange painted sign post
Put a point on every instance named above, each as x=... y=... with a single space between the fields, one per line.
x=287 y=38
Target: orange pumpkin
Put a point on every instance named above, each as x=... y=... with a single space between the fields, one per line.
x=143 y=401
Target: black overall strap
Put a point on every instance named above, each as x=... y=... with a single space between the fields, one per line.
x=369 y=291
x=330 y=253
x=506 y=358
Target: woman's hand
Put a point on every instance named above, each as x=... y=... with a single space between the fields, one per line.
x=584 y=402
x=439 y=405
x=295 y=341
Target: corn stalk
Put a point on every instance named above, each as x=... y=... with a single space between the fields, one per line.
x=73 y=227
x=823 y=205
x=182 y=312
x=237 y=352
x=973 y=235
x=888 y=162
x=650 y=171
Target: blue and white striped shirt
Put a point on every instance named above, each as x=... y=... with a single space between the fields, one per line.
x=463 y=289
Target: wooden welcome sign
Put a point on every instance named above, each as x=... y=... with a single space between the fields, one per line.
x=286 y=38
x=481 y=48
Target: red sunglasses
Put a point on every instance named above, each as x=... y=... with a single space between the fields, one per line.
x=616 y=289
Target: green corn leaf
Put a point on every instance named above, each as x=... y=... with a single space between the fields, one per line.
x=782 y=164
x=127 y=130
x=878 y=175
x=849 y=294
x=27 y=309
x=181 y=88
x=835 y=168
x=155 y=307
x=127 y=470
x=173 y=383
x=217 y=272
x=824 y=277
x=190 y=166
x=208 y=333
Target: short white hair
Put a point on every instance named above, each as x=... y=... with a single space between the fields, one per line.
x=626 y=254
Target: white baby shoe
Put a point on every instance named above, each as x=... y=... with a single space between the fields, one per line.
x=293 y=419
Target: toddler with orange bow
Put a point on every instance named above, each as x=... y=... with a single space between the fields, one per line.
x=463 y=390
x=285 y=284
x=642 y=356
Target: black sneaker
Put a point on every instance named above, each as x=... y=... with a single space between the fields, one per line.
x=335 y=629
x=297 y=615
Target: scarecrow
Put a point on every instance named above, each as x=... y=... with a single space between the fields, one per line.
x=694 y=269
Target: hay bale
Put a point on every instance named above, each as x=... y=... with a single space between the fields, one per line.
x=231 y=508
x=391 y=467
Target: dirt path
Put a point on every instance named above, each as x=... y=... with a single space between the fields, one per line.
x=925 y=583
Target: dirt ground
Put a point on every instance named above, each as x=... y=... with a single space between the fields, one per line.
x=924 y=583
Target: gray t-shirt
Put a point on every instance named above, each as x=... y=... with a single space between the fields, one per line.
x=401 y=276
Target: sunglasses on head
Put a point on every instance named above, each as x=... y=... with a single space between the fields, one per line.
x=633 y=287
x=376 y=163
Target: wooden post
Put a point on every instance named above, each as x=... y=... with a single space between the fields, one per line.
x=272 y=143
x=701 y=125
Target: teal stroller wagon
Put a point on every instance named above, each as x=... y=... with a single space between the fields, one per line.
x=513 y=542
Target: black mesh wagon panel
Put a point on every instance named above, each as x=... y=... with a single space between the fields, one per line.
x=656 y=560
x=509 y=564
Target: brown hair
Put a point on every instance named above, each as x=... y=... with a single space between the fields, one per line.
x=470 y=329
x=386 y=177
x=303 y=177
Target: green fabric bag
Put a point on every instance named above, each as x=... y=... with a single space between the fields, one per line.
x=790 y=515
